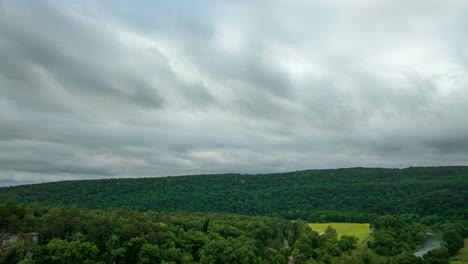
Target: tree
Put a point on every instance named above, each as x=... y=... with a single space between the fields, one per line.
x=347 y=242
x=330 y=233
x=133 y=248
x=407 y=258
x=28 y=259
x=15 y=253
x=74 y=252
x=437 y=256
x=454 y=241
x=149 y=254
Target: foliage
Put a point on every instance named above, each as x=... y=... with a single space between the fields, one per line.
x=77 y=235
x=15 y=254
x=399 y=235
x=341 y=195
x=74 y=235
x=394 y=235
x=453 y=237
x=461 y=256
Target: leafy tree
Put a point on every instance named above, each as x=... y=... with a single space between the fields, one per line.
x=347 y=242
x=28 y=259
x=133 y=248
x=70 y=252
x=407 y=258
x=437 y=256
x=330 y=233
x=15 y=253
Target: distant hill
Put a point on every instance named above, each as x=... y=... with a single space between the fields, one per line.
x=344 y=195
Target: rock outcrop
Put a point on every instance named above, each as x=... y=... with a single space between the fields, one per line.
x=6 y=240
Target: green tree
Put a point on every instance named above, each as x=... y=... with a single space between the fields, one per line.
x=453 y=240
x=407 y=258
x=14 y=254
x=149 y=254
x=73 y=252
x=347 y=242
x=133 y=248
x=28 y=259
x=437 y=256
x=330 y=233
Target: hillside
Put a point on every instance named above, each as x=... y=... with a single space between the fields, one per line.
x=342 y=195
x=32 y=233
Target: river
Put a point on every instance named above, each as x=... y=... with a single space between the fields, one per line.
x=433 y=241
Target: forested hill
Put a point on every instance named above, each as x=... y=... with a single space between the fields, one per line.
x=351 y=195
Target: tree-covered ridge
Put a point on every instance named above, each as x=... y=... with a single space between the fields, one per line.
x=343 y=195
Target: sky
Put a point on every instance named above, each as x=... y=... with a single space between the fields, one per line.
x=108 y=89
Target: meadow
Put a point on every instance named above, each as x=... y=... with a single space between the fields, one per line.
x=462 y=255
x=362 y=231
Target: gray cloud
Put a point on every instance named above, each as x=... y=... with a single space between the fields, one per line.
x=93 y=90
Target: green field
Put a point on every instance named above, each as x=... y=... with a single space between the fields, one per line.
x=362 y=231
x=462 y=255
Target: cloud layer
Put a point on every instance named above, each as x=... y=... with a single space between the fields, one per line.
x=94 y=89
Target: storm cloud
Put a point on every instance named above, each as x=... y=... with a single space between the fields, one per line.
x=99 y=89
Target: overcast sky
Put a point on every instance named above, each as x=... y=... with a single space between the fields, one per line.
x=106 y=89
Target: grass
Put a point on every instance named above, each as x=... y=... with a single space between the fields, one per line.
x=361 y=231
x=462 y=255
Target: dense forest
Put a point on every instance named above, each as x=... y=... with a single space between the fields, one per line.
x=341 y=195
x=80 y=235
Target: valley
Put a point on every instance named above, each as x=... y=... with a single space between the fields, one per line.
x=352 y=216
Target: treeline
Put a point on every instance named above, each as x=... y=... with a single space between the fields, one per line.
x=75 y=235
x=341 y=195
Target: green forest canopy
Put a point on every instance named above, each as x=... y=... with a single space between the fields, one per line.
x=76 y=235
x=341 y=195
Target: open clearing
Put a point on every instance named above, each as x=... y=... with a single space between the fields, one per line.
x=462 y=255
x=362 y=231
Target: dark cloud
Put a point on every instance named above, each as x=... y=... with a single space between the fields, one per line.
x=93 y=90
